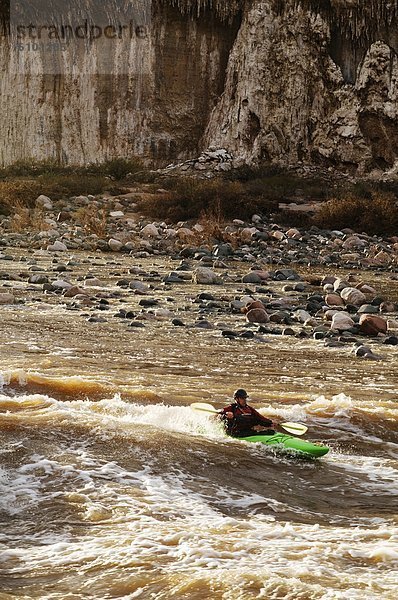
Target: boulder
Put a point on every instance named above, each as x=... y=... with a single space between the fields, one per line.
x=257 y=315
x=253 y=305
x=73 y=291
x=57 y=246
x=115 y=245
x=353 y=296
x=372 y=325
x=387 y=307
x=340 y=284
x=334 y=300
x=342 y=321
x=251 y=277
x=206 y=276
x=149 y=231
x=44 y=202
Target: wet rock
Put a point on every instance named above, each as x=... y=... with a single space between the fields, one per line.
x=341 y=321
x=368 y=309
x=95 y=319
x=387 y=307
x=391 y=340
x=178 y=323
x=286 y=274
x=147 y=302
x=74 y=291
x=204 y=275
x=251 y=277
x=228 y=333
x=372 y=325
x=353 y=296
x=247 y=335
x=318 y=335
x=115 y=245
x=288 y=331
x=366 y=352
x=44 y=202
x=173 y=278
x=139 y=286
x=257 y=315
x=280 y=316
x=7 y=298
x=57 y=246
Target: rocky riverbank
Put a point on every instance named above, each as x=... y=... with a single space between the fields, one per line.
x=255 y=280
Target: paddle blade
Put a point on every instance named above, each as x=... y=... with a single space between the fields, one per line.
x=203 y=406
x=295 y=428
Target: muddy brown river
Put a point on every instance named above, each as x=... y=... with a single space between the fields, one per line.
x=111 y=486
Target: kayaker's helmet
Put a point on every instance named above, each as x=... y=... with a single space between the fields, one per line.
x=240 y=393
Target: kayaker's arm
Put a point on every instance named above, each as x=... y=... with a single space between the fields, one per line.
x=263 y=421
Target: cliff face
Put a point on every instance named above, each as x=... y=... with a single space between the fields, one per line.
x=309 y=80
x=152 y=98
x=312 y=81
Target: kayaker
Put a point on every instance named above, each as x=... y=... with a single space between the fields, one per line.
x=242 y=420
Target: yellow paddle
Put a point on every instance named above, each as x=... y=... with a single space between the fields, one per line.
x=295 y=428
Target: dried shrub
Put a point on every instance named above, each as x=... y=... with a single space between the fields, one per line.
x=91 y=219
x=26 y=219
x=377 y=215
x=189 y=198
x=17 y=194
x=23 y=192
x=61 y=186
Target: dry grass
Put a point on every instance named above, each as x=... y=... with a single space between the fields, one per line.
x=23 y=192
x=92 y=220
x=377 y=215
x=23 y=182
x=25 y=219
x=189 y=198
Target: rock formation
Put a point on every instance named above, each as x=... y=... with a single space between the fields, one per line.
x=285 y=81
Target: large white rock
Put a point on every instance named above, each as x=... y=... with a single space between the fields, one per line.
x=341 y=321
x=205 y=275
x=115 y=245
x=302 y=315
x=150 y=230
x=139 y=286
x=62 y=284
x=57 y=246
x=353 y=296
x=44 y=201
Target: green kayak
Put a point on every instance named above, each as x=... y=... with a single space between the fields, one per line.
x=290 y=442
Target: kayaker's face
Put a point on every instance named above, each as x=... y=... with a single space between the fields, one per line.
x=241 y=401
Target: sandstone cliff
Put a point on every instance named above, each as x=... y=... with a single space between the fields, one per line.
x=286 y=81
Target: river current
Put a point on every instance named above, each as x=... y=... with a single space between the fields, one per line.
x=111 y=486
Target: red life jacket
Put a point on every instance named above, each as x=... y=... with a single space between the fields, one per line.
x=245 y=417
